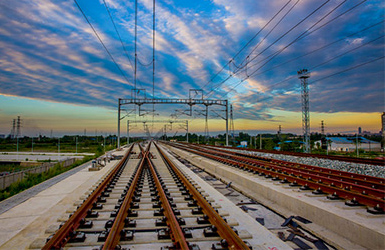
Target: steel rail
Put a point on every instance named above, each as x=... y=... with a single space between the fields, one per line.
x=374 y=189
x=223 y=229
x=330 y=188
x=330 y=157
x=177 y=235
x=113 y=237
x=62 y=236
x=352 y=177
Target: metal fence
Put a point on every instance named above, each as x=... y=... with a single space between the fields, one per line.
x=7 y=180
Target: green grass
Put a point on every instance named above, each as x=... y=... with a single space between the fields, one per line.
x=13 y=167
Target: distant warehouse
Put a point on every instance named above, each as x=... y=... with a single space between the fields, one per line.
x=348 y=144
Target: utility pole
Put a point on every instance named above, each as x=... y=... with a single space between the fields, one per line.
x=17 y=146
x=119 y=103
x=303 y=75
x=232 y=124
x=260 y=141
x=76 y=143
x=128 y=132
x=324 y=140
x=206 y=124
x=32 y=144
x=18 y=127
x=322 y=128
x=187 y=131
x=119 y=106
x=227 y=123
x=104 y=144
x=59 y=148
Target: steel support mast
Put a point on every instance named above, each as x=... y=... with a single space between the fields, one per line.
x=303 y=75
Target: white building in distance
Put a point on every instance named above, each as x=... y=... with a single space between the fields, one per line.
x=348 y=144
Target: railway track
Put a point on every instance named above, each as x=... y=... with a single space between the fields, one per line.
x=146 y=202
x=379 y=162
x=357 y=190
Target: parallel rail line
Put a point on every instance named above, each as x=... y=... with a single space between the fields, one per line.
x=224 y=230
x=333 y=185
x=364 y=180
x=66 y=231
x=89 y=225
x=116 y=229
x=379 y=162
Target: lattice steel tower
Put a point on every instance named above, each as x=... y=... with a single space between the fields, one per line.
x=303 y=75
x=18 y=127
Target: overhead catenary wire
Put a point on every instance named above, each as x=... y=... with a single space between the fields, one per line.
x=135 y=43
x=117 y=32
x=348 y=69
x=266 y=36
x=283 y=35
x=247 y=44
x=153 y=49
x=320 y=48
x=145 y=64
x=153 y=63
x=334 y=74
x=271 y=56
x=346 y=52
x=301 y=36
x=291 y=29
x=314 y=67
x=100 y=40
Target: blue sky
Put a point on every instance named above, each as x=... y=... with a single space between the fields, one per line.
x=56 y=74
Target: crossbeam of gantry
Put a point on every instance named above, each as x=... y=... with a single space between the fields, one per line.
x=190 y=101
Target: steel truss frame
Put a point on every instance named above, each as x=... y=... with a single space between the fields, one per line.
x=190 y=102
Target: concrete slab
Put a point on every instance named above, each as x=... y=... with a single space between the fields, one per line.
x=24 y=223
x=260 y=235
x=343 y=228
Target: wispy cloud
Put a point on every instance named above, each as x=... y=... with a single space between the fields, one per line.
x=49 y=52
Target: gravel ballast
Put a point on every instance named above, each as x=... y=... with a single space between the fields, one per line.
x=357 y=168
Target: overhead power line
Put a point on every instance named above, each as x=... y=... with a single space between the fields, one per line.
x=100 y=40
x=300 y=37
x=117 y=32
x=320 y=64
x=320 y=48
x=247 y=44
x=334 y=74
x=348 y=69
x=257 y=46
x=291 y=29
x=271 y=56
x=279 y=38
